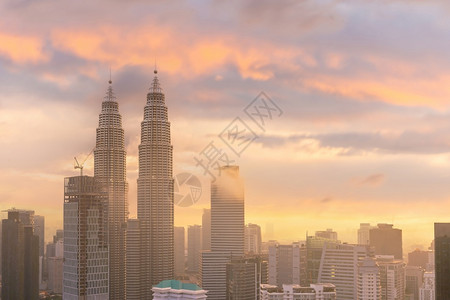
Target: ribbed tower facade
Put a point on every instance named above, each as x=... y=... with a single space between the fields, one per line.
x=110 y=171
x=155 y=192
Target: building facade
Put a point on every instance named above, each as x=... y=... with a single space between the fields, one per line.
x=85 y=271
x=176 y=290
x=155 y=192
x=363 y=233
x=369 y=285
x=413 y=281
x=134 y=288
x=206 y=229
x=426 y=292
x=244 y=278
x=442 y=260
x=20 y=257
x=253 y=239
x=339 y=266
x=386 y=240
x=110 y=171
x=194 y=248
x=296 y=292
x=287 y=264
x=180 y=257
x=392 y=277
x=227 y=231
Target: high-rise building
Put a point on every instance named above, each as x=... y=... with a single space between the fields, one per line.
x=426 y=292
x=442 y=260
x=414 y=281
x=386 y=240
x=392 y=277
x=85 y=272
x=20 y=257
x=155 y=191
x=135 y=290
x=39 y=230
x=179 y=251
x=287 y=264
x=244 y=278
x=110 y=171
x=369 y=285
x=177 y=290
x=227 y=230
x=339 y=266
x=314 y=247
x=363 y=233
x=206 y=229
x=327 y=234
x=194 y=248
x=253 y=239
x=319 y=291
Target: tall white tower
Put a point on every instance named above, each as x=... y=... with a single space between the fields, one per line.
x=155 y=191
x=110 y=171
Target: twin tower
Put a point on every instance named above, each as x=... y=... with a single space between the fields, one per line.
x=146 y=257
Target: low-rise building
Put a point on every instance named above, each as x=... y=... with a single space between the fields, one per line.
x=318 y=291
x=177 y=290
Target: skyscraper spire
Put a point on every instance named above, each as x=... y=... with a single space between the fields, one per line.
x=155 y=87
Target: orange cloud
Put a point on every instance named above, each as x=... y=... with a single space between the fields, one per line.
x=22 y=49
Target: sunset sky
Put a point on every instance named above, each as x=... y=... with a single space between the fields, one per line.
x=364 y=87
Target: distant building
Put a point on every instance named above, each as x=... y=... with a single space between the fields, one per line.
x=194 y=248
x=339 y=266
x=289 y=292
x=426 y=292
x=39 y=230
x=363 y=233
x=86 y=268
x=176 y=290
x=418 y=258
x=206 y=229
x=287 y=264
x=386 y=240
x=227 y=231
x=414 y=281
x=55 y=274
x=392 y=277
x=179 y=251
x=369 y=285
x=442 y=260
x=252 y=239
x=314 y=247
x=327 y=234
x=20 y=257
x=244 y=278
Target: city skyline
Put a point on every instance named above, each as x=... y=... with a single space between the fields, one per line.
x=364 y=132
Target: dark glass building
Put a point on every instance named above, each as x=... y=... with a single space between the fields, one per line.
x=442 y=260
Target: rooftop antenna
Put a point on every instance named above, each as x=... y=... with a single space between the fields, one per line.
x=110 y=81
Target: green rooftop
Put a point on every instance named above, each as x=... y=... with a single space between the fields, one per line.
x=177 y=285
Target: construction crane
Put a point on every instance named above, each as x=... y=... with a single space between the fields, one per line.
x=77 y=165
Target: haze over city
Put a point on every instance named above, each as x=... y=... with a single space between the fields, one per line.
x=363 y=136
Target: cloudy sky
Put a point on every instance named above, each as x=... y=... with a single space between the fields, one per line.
x=364 y=87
